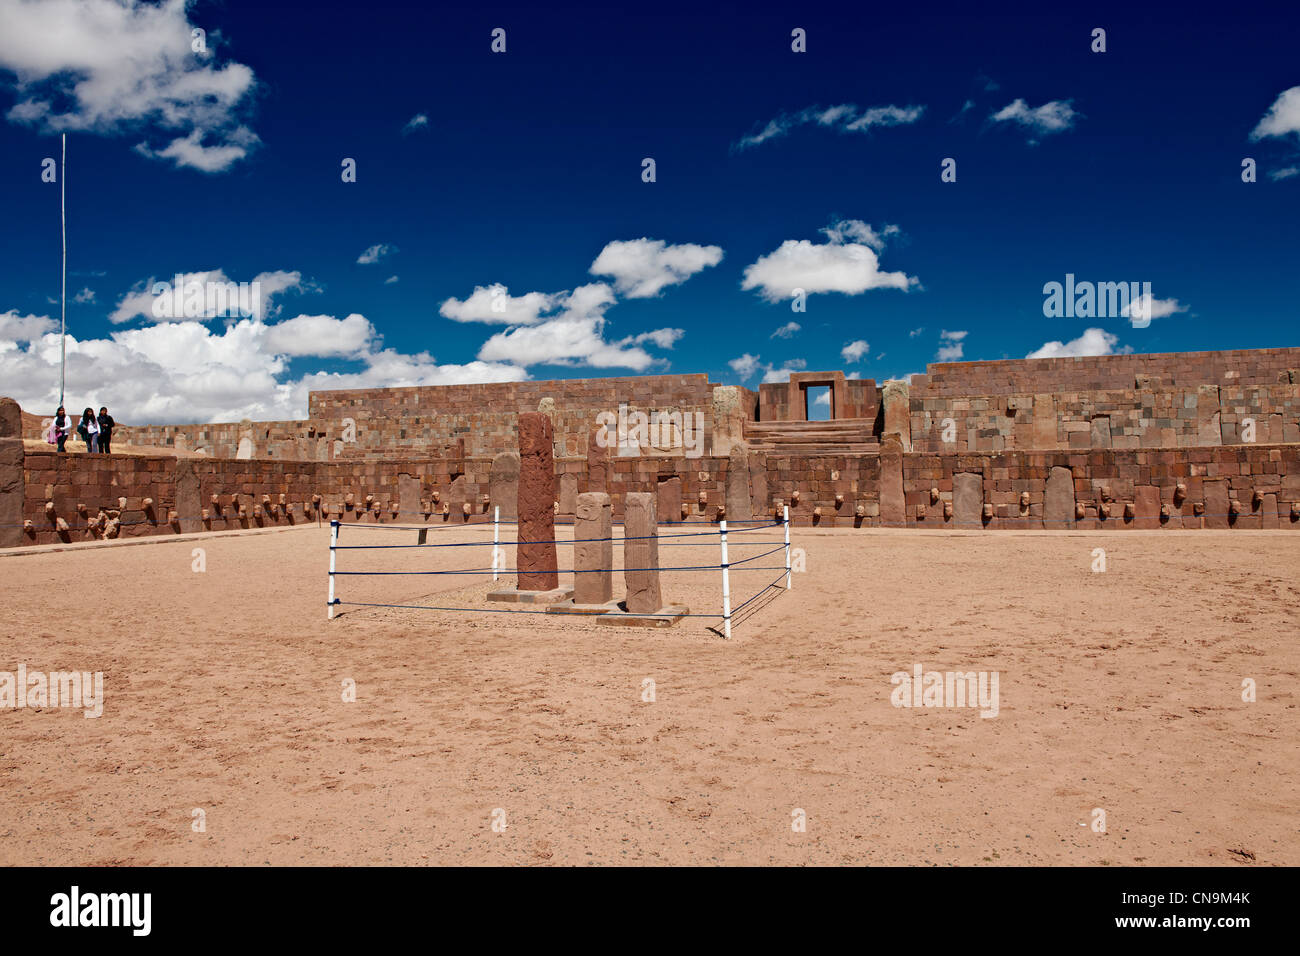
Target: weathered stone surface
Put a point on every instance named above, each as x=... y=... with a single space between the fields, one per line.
x=188 y=504
x=668 y=501
x=739 y=502
x=759 y=501
x=1216 y=504
x=1100 y=437
x=568 y=496
x=968 y=500
x=1208 y=428
x=729 y=415
x=408 y=498
x=598 y=456
x=1058 y=500
x=896 y=399
x=12 y=493
x=11 y=419
x=593 y=551
x=641 y=554
x=1268 y=512
x=538 y=570
x=1044 y=430
x=503 y=484
x=893 y=501
x=1146 y=511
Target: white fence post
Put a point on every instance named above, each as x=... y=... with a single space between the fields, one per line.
x=496 y=540
x=334 y=542
x=787 y=546
x=726 y=583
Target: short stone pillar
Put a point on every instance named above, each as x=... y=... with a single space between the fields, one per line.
x=641 y=554
x=739 y=501
x=503 y=484
x=593 y=549
x=896 y=398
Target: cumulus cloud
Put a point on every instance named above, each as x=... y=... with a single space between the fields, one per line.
x=182 y=372
x=1285 y=172
x=1055 y=116
x=846 y=262
x=1091 y=342
x=1144 y=308
x=845 y=118
x=745 y=365
x=951 y=346
x=391 y=280
x=786 y=331
x=642 y=268
x=375 y=253
x=200 y=296
x=782 y=374
x=495 y=305
x=416 y=122
x=575 y=336
x=854 y=351
x=1282 y=118
x=85 y=295
x=16 y=328
x=116 y=66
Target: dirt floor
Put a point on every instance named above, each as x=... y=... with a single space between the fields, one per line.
x=1119 y=691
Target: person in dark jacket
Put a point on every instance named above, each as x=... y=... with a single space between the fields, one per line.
x=62 y=427
x=88 y=429
x=106 y=425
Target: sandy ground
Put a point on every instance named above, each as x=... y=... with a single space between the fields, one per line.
x=1118 y=690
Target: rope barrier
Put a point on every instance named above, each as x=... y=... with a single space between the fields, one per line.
x=727 y=615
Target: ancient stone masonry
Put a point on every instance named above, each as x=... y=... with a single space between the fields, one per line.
x=536 y=552
x=1199 y=440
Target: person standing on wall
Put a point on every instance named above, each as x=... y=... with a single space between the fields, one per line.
x=89 y=430
x=106 y=424
x=61 y=428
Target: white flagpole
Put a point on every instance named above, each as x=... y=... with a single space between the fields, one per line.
x=63 y=222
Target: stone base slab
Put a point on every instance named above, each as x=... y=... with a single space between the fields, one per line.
x=665 y=617
x=516 y=596
x=571 y=607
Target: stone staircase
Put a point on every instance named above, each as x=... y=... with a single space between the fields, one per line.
x=843 y=436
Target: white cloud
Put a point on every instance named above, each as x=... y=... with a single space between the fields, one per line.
x=185 y=372
x=375 y=253
x=641 y=268
x=952 y=347
x=494 y=304
x=745 y=365
x=85 y=295
x=782 y=374
x=1284 y=173
x=24 y=328
x=1144 y=308
x=391 y=280
x=823 y=397
x=664 y=338
x=854 y=351
x=845 y=118
x=111 y=66
x=846 y=263
x=575 y=336
x=208 y=287
x=321 y=335
x=915 y=332
x=416 y=122
x=1282 y=118
x=786 y=331
x=1055 y=116
x=1091 y=342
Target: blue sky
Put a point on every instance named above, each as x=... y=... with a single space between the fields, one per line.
x=774 y=170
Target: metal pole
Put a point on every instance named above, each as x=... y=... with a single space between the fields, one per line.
x=334 y=541
x=787 y=546
x=496 y=540
x=63 y=222
x=726 y=583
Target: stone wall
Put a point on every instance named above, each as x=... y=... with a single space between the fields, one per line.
x=1098 y=373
